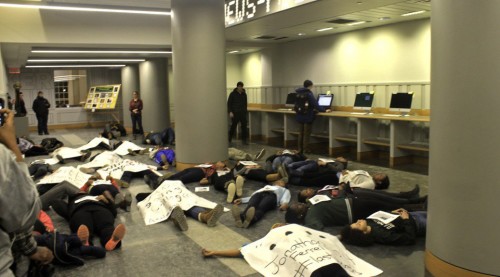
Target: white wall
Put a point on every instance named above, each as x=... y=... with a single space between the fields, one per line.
x=233 y=70
x=392 y=53
x=251 y=69
x=3 y=78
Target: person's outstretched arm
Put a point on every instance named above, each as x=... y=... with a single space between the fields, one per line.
x=235 y=253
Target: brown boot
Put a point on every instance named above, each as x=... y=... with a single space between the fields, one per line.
x=212 y=216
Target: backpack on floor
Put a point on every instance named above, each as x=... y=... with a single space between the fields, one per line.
x=301 y=103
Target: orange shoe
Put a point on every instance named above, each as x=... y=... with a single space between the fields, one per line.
x=117 y=236
x=83 y=234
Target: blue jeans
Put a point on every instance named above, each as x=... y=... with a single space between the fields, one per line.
x=195 y=211
x=137 y=120
x=298 y=168
x=284 y=160
x=421 y=221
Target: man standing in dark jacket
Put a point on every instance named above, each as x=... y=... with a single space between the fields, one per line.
x=306 y=117
x=237 y=108
x=41 y=108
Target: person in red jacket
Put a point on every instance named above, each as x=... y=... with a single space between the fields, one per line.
x=135 y=108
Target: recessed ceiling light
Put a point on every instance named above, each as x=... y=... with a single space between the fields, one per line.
x=84 y=60
x=413 y=13
x=102 y=51
x=301 y=34
x=384 y=18
x=84 y=9
x=356 y=23
x=75 y=65
x=234 y=51
x=324 y=29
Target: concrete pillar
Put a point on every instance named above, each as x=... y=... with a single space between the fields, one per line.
x=198 y=46
x=463 y=224
x=130 y=83
x=153 y=78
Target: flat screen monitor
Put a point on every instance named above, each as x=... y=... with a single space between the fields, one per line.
x=401 y=102
x=364 y=101
x=325 y=100
x=290 y=99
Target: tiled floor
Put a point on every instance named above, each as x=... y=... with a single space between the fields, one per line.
x=162 y=250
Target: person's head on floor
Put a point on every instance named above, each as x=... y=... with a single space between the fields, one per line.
x=342 y=160
x=220 y=165
x=358 y=233
x=308 y=84
x=381 y=180
x=305 y=194
x=296 y=213
x=239 y=86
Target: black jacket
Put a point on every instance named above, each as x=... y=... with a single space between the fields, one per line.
x=41 y=106
x=237 y=102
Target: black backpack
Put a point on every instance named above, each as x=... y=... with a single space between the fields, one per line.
x=301 y=103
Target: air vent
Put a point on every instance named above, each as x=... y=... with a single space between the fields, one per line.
x=341 y=21
x=280 y=38
x=265 y=37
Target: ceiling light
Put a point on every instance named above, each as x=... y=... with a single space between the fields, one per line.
x=76 y=65
x=384 y=18
x=84 y=9
x=356 y=23
x=233 y=52
x=301 y=34
x=102 y=51
x=413 y=13
x=84 y=60
x=324 y=29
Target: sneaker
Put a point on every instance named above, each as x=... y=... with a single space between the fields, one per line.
x=87 y=170
x=283 y=173
x=85 y=156
x=116 y=237
x=259 y=155
x=235 y=211
x=248 y=217
x=60 y=158
x=239 y=186
x=231 y=190
x=179 y=218
x=83 y=234
x=212 y=216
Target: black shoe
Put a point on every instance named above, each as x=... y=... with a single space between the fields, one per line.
x=40 y=134
x=410 y=194
x=60 y=158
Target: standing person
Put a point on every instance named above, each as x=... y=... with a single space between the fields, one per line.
x=237 y=108
x=135 y=108
x=305 y=108
x=41 y=108
x=19 y=105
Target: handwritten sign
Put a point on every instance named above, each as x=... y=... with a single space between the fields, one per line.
x=116 y=169
x=94 y=143
x=66 y=173
x=294 y=250
x=122 y=150
x=104 y=159
x=67 y=152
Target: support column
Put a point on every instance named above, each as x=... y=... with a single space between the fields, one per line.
x=463 y=227
x=130 y=83
x=199 y=85
x=153 y=78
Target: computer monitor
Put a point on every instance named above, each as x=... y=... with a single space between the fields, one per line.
x=401 y=102
x=325 y=100
x=290 y=99
x=364 y=100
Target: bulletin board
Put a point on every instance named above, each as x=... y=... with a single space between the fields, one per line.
x=102 y=97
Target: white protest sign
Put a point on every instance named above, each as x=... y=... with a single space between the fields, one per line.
x=67 y=153
x=122 y=150
x=294 y=250
x=116 y=169
x=94 y=143
x=66 y=173
x=104 y=159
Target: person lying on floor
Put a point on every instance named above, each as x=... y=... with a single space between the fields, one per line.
x=283 y=157
x=64 y=153
x=340 y=211
x=315 y=172
x=39 y=169
x=165 y=137
x=97 y=213
x=363 y=179
x=256 y=173
x=178 y=215
x=403 y=230
x=30 y=149
x=404 y=197
x=263 y=200
x=163 y=156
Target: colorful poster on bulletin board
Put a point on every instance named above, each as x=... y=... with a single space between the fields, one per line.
x=102 y=97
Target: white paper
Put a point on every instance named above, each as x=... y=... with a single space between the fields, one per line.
x=87 y=198
x=67 y=153
x=204 y=165
x=294 y=250
x=104 y=159
x=326 y=160
x=116 y=169
x=94 y=143
x=319 y=198
x=198 y=189
x=66 y=173
x=51 y=161
x=248 y=163
x=222 y=172
x=384 y=217
x=122 y=150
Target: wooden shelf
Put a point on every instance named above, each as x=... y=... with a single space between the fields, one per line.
x=320 y=135
x=414 y=147
x=348 y=138
x=379 y=142
x=278 y=130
